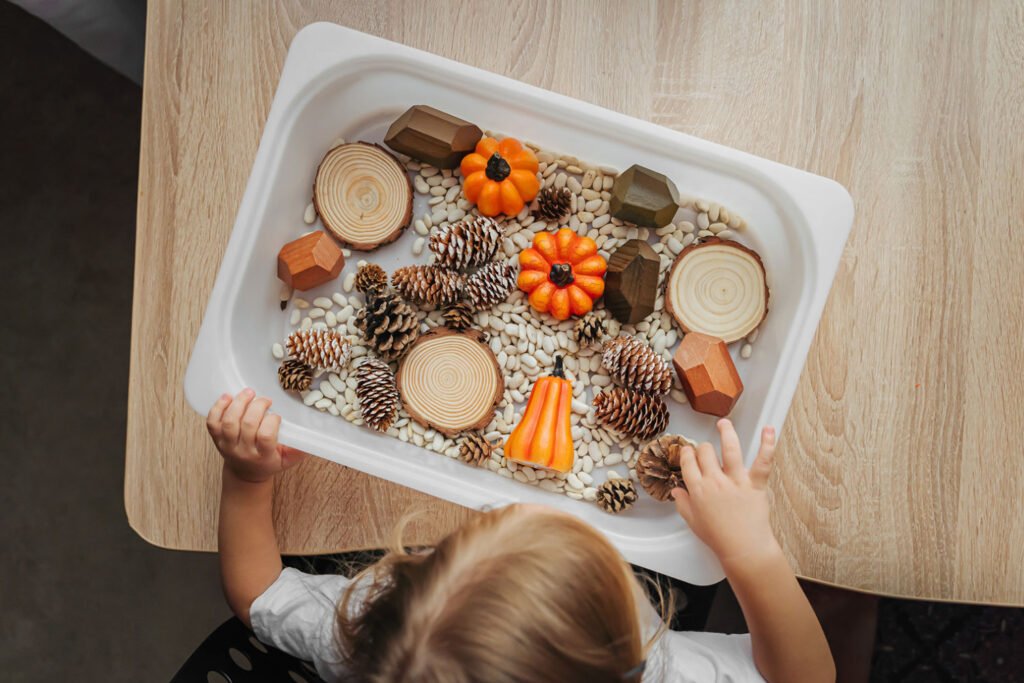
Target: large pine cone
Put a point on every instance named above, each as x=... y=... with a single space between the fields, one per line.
x=657 y=467
x=319 y=348
x=294 y=375
x=389 y=325
x=459 y=316
x=371 y=278
x=491 y=285
x=589 y=330
x=428 y=284
x=475 y=449
x=553 y=204
x=616 y=495
x=634 y=364
x=631 y=412
x=468 y=243
x=377 y=394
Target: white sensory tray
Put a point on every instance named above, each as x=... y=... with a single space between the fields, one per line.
x=339 y=82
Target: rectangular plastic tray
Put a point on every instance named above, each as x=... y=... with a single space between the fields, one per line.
x=337 y=81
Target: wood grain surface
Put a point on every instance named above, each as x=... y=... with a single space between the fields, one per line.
x=900 y=470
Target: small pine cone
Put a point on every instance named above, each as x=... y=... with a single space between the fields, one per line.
x=553 y=203
x=657 y=466
x=389 y=325
x=428 y=284
x=589 y=330
x=459 y=316
x=491 y=285
x=377 y=394
x=371 y=278
x=632 y=413
x=468 y=243
x=475 y=449
x=294 y=375
x=616 y=495
x=634 y=364
x=319 y=348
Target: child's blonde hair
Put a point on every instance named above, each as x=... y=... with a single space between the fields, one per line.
x=517 y=594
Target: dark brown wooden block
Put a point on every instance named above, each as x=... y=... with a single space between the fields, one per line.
x=310 y=261
x=644 y=197
x=432 y=136
x=709 y=376
x=631 y=284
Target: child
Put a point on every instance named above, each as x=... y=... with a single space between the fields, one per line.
x=522 y=594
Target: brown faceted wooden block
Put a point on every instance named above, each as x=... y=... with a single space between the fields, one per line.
x=432 y=136
x=644 y=197
x=310 y=261
x=709 y=376
x=631 y=283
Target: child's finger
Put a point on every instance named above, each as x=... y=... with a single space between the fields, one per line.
x=682 y=501
x=732 y=453
x=216 y=413
x=231 y=423
x=266 y=435
x=688 y=466
x=251 y=421
x=762 y=467
x=708 y=460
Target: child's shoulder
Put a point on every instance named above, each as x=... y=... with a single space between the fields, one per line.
x=696 y=657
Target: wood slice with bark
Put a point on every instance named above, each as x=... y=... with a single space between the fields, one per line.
x=717 y=287
x=450 y=381
x=363 y=195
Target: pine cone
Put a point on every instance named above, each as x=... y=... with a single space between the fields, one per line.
x=616 y=495
x=553 y=203
x=634 y=364
x=490 y=285
x=294 y=375
x=471 y=242
x=371 y=278
x=475 y=449
x=657 y=467
x=377 y=394
x=631 y=412
x=388 y=324
x=459 y=316
x=589 y=330
x=428 y=284
x=319 y=348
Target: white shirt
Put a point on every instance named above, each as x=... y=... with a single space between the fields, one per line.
x=298 y=613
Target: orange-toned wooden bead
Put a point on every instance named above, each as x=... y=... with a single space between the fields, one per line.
x=708 y=375
x=310 y=261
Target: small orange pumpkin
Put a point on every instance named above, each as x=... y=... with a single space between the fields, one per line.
x=543 y=437
x=500 y=177
x=562 y=272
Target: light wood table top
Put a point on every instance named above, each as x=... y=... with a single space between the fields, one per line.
x=900 y=470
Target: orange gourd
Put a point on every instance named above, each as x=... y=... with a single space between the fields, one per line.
x=562 y=272
x=543 y=437
x=500 y=177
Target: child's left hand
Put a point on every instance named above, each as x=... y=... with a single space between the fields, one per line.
x=246 y=436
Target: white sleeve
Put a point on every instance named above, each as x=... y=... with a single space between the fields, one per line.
x=298 y=613
x=693 y=657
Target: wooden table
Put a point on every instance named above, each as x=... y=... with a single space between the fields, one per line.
x=900 y=470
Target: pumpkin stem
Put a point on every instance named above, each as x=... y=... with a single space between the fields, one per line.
x=561 y=275
x=497 y=168
x=559 y=371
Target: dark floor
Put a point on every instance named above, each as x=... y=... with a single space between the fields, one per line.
x=82 y=597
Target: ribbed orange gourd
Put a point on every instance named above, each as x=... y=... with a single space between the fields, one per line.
x=562 y=272
x=500 y=177
x=543 y=437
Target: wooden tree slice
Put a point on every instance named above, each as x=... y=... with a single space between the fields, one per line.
x=362 y=195
x=450 y=381
x=717 y=287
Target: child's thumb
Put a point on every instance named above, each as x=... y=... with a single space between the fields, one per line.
x=290 y=456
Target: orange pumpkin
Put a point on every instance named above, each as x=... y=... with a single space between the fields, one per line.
x=543 y=437
x=562 y=272
x=500 y=177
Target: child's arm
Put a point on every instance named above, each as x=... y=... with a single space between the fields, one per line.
x=247 y=438
x=727 y=507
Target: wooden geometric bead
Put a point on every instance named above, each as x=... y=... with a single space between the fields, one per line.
x=309 y=261
x=432 y=136
x=631 y=282
x=708 y=375
x=644 y=197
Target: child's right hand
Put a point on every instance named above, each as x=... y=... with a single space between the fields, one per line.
x=246 y=435
x=726 y=505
